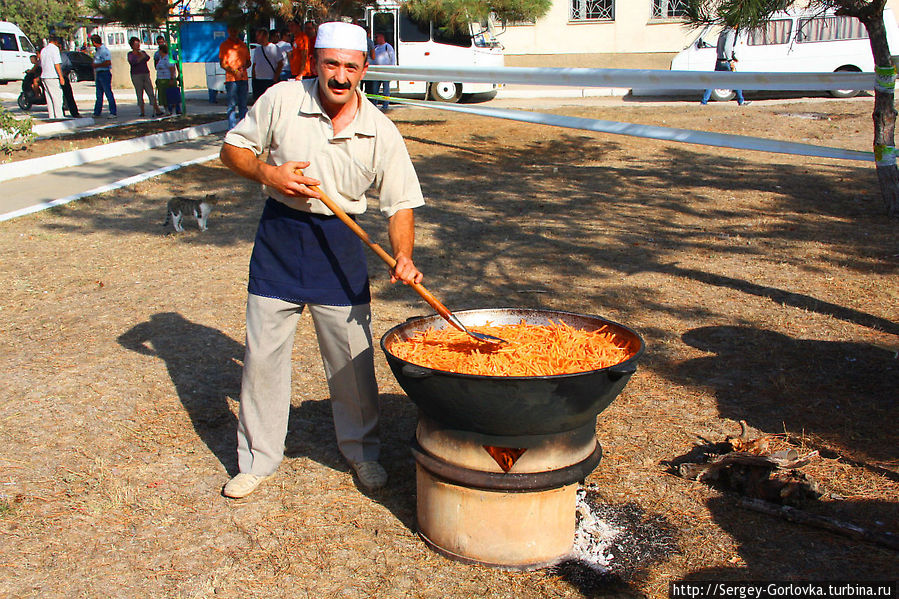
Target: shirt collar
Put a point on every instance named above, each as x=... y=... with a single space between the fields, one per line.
x=363 y=123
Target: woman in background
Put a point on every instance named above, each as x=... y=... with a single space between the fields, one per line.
x=140 y=76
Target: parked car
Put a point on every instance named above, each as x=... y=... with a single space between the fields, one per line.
x=82 y=67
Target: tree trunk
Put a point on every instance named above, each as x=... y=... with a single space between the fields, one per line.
x=884 y=115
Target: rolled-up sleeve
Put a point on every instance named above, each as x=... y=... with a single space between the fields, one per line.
x=396 y=182
x=255 y=130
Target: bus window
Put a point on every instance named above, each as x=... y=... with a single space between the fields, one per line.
x=777 y=31
x=383 y=23
x=448 y=36
x=828 y=29
x=413 y=31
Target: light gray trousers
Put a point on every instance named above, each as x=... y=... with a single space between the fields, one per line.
x=344 y=340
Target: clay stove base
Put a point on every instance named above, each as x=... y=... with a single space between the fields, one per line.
x=496 y=528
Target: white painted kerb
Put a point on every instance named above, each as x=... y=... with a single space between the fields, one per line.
x=34 y=166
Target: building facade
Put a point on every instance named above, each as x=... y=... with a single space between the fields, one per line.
x=626 y=34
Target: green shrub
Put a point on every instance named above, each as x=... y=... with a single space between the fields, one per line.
x=14 y=132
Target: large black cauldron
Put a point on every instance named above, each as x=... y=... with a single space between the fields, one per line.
x=522 y=405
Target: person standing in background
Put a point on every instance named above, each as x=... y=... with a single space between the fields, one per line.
x=282 y=41
x=267 y=64
x=384 y=55
x=234 y=58
x=51 y=77
x=166 y=80
x=310 y=30
x=299 y=49
x=68 y=96
x=368 y=86
x=140 y=76
x=103 y=76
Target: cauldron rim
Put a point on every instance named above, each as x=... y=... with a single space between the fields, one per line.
x=605 y=321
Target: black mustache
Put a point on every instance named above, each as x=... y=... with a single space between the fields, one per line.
x=334 y=84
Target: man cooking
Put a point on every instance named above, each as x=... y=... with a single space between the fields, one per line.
x=303 y=255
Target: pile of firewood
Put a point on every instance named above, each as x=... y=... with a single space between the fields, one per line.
x=747 y=467
x=770 y=482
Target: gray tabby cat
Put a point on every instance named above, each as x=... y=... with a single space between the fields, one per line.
x=178 y=207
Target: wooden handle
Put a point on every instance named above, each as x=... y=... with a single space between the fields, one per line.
x=382 y=254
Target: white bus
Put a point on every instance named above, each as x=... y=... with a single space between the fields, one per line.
x=791 y=42
x=426 y=44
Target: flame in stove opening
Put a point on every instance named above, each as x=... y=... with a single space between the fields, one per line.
x=504 y=456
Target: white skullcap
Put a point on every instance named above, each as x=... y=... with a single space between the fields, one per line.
x=346 y=36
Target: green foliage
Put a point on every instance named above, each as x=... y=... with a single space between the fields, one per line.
x=14 y=132
x=456 y=13
x=248 y=13
x=38 y=18
x=750 y=14
x=132 y=12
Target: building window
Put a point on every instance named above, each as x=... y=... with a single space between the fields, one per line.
x=668 y=9
x=591 y=10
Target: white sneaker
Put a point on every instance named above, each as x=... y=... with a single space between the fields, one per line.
x=371 y=475
x=242 y=485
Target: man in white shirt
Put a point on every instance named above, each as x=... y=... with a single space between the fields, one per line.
x=267 y=64
x=51 y=76
x=283 y=42
x=304 y=256
x=383 y=55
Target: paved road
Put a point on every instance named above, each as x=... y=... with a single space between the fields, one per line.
x=28 y=194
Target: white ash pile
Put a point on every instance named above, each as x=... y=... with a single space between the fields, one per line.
x=613 y=543
x=594 y=538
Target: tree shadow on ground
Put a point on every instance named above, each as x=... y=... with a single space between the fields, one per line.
x=839 y=392
x=765 y=557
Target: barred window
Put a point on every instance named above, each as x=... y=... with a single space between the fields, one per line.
x=668 y=9
x=777 y=31
x=828 y=29
x=591 y=10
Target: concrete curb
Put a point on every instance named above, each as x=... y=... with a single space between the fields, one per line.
x=45 y=129
x=34 y=166
x=104 y=188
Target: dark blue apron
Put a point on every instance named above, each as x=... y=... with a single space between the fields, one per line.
x=307 y=258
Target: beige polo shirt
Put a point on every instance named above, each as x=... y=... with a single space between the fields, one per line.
x=289 y=122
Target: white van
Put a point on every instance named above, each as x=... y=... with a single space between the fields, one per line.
x=791 y=42
x=16 y=51
x=427 y=44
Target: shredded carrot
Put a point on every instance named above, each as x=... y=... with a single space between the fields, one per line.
x=532 y=350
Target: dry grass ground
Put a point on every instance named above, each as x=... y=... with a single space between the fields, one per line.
x=766 y=288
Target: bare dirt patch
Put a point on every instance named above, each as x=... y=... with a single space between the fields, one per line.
x=765 y=286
